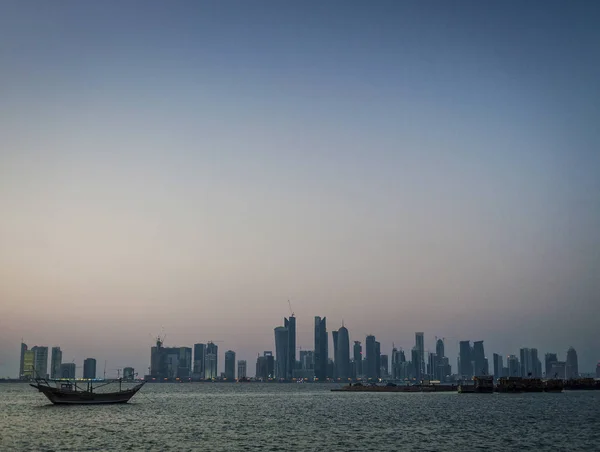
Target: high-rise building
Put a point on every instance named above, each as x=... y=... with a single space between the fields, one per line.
x=378 y=358
x=158 y=360
x=198 y=372
x=572 y=364
x=342 y=354
x=128 y=373
x=513 y=367
x=230 y=365
x=465 y=368
x=384 y=367
x=242 y=372
x=67 y=370
x=334 y=336
x=290 y=324
x=41 y=361
x=89 y=368
x=420 y=346
x=549 y=359
x=439 y=348
x=265 y=366
x=55 y=362
x=22 y=360
x=358 y=359
x=211 y=360
x=281 y=352
x=598 y=370
x=530 y=364
x=29 y=365
x=498 y=366
x=415 y=364
x=371 y=360
x=479 y=359
x=307 y=363
x=184 y=363
x=321 y=357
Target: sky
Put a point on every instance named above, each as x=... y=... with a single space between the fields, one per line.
x=186 y=167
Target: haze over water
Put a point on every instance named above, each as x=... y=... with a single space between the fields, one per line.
x=401 y=166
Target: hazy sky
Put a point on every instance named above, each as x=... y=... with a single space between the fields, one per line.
x=403 y=166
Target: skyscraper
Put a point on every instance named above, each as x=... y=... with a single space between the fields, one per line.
x=530 y=365
x=22 y=360
x=290 y=324
x=342 y=354
x=416 y=366
x=498 y=366
x=282 y=352
x=40 y=361
x=479 y=358
x=439 y=348
x=466 y=368
x=572 y=370
x=230 y=365
x=242 y=372
x=357 y=352
x=371 y=361
x=28 y=365
x=512 y=363
x=378 y=359
x=211 y=360
x=384 y=367
x=89 y=368
x=321 y=356
x=199 y=361
x=420 y=346
x=55 y=362
x=549 y=359
x=334 y=336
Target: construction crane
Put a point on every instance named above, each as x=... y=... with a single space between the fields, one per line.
x=290 y=305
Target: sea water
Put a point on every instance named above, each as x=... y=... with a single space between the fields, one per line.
x=300 y=417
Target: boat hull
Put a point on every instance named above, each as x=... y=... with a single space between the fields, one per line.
x=58 y=397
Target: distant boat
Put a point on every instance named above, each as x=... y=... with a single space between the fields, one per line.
x=67 y=392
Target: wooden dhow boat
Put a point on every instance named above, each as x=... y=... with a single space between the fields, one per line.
x=69 y=392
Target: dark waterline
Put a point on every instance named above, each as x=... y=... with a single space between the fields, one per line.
x=271 y=417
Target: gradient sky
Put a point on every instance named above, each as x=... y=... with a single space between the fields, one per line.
x=403 y=166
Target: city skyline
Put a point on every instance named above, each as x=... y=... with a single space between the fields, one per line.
x=472 y=359
x=400 y=166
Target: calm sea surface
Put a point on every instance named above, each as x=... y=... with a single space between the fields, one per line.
x=273 y=417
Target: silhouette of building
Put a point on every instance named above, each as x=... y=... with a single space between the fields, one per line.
x=415 y=364
x=598 y=370
x=282 y=352
x=358 y=359
x=378 y=358
x=40 y=361
x=420 y=346
x=265 y=366
x=439 y=348
x=22 y=360
x=531 y=367
x=211 y=360
x=89 y=368
x=199 y=369
x=558 y=370
x=321 y=357
x=67 y=370
x=478 y=358
x=371 y=360
x=55 y=362
x=464 y=355
x=230 y=365
x=498 y=366
x=290 y=324
x=549 y=359
x=242 y=369
x=512 y=364
x=384 y=366
x=397 y=359
x=572 y=370
x=342 y=353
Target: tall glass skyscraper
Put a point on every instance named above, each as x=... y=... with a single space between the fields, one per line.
x=230 y=365
x=371 y=370
x=290 y=324
x=321 y=348
x=211 y=360
x=281 y=352
x=198 y=371
x=55 y=362
x=342 y=353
